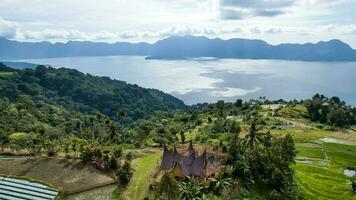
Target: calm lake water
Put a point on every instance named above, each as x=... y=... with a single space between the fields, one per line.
x=209 y=80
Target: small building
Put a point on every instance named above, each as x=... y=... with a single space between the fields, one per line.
x=188 y=163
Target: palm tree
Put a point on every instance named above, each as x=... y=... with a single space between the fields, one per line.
x=254 y=136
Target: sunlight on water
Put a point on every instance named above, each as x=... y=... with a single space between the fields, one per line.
x=205 y=79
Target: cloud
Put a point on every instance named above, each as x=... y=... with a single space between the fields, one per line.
x=228 y=13
x=239 y=9
x=349 y=29
x=233 y=92
x=268 y=12
x=50 y=34
x=257 y=4
x=8 y=29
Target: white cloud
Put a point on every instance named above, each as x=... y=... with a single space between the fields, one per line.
x=233 y=92
x=136 y=20
x=341 y=29
x=239 y=9
x=8 y=29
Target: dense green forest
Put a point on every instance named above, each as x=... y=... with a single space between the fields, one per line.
x=85 y=93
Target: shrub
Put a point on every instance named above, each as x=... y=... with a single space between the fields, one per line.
x=86 y=156
x=112 y=163
x=190 y=189
x=21 y=139
x=129 y=156
x=124 y=173
x=117 y=152
x=167 y=187
x=353 y=184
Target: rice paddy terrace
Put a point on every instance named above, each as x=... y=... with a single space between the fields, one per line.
x=321 y=163
x=19 y=189
x=68 y=177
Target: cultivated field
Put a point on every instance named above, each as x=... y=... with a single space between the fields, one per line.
x=320 y=165
x=70 y=176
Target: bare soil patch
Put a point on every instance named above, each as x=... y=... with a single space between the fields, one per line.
x=69 y=175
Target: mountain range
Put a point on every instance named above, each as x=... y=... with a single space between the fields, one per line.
x=182 y=47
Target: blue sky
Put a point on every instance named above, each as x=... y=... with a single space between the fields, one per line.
x=276 y=21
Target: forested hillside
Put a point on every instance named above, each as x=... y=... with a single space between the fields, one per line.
x=85 y=93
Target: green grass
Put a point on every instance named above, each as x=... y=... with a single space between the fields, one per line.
x=321 y=177
x=144 y=167
x=116 y=195
x=6 y=74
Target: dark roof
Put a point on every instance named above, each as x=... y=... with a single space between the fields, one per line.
x=188 y=163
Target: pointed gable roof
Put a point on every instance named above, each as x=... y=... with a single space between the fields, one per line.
x=167 y=159
x=186 y=164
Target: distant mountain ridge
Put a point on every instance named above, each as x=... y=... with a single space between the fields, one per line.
x=183 y=47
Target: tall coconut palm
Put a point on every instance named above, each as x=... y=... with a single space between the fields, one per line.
x=254 y=136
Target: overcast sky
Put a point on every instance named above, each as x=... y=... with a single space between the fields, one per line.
x=276 y=21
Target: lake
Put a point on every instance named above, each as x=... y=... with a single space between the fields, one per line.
x=208 y=80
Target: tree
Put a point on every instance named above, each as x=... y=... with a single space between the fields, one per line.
x=20 y=139
x=238 y=103
x=234 y=128
x=182 y=136
x=117 y=152
x=220 y=105
x=254 y=136
x=167 y=187
x=234 y=149
x=289 y=152
x=112 y=163
x=124 y=173
x=3 y=140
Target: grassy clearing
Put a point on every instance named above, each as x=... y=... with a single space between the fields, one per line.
x=6 y=74
x=144 y=167
x=320 y=165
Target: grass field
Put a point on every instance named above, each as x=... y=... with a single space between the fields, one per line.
x=144 y=167
x=6 y=74
x=320 y=165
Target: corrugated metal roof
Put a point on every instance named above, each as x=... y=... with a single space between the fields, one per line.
x=11 y=188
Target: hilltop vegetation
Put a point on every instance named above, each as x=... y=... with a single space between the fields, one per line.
x=85 y=93
x=50 y=103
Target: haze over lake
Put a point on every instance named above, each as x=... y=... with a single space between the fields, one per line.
x=209 y=80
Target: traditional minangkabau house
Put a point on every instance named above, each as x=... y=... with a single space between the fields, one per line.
x=188 y=163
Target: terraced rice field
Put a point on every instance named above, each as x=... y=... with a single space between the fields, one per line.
x=321 y=162
x=18 y=189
